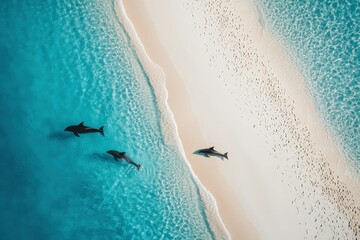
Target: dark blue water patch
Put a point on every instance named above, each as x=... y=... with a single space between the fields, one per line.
x=323 y=37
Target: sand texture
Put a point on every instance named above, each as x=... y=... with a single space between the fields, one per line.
x=231 y=85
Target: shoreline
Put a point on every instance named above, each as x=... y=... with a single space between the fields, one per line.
x=157 y=79
x=195 y=139
x=240 y=188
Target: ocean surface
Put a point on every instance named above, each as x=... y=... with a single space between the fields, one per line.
x=61 y=63
x=323 y=36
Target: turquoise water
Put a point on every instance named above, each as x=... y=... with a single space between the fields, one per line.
x=61 y=63
x=324 y=38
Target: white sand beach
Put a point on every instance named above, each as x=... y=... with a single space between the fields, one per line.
x=231 y=85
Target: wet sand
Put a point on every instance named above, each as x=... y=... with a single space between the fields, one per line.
x=232 y=86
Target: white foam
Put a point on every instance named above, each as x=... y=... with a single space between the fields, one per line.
x=169 y=127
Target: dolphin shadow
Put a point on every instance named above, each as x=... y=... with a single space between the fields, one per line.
x=197 y=152
x=106 y=158
x=60 y=136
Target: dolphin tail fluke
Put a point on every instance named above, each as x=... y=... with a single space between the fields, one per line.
x=102 y=130
x=138 y=167
x=226 y=156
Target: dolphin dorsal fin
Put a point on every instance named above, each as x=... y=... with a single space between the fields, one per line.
x=81 y=124
x=212 y=148
x=122 y=153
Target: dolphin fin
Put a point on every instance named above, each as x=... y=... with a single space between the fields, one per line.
x=138 y=167
x=102 y=130
x=81 y=124
x=206 y=155
x=226 y=156
x=115 y=158
x=76 y=134
x=212 y=148
x=122 y=153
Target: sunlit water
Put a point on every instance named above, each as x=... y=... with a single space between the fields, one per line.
x=323 y=37
x=61 y=63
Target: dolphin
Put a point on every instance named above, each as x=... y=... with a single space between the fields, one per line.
x=82 y=129
x=117 y=154
x=212 y=152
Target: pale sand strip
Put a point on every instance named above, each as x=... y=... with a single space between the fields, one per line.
x=170 y=131
x=286 y=178
x=178 y=100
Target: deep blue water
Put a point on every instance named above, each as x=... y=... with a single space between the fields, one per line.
x=61 y=63
x=323 y=36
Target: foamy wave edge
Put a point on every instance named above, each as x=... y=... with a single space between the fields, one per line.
x=157 y=80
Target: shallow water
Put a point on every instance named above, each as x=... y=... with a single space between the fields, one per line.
x=61 y=63
x=323 y=37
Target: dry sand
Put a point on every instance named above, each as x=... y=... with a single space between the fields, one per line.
x=232 y=86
